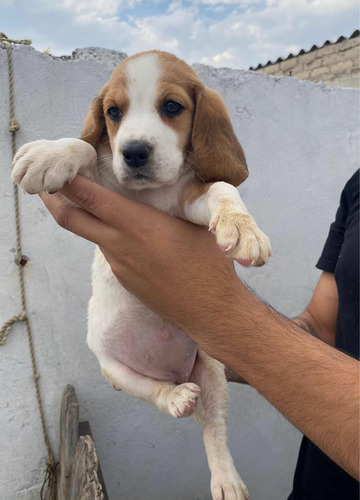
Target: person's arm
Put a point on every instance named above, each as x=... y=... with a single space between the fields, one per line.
x=319 y=318
x=177 y=270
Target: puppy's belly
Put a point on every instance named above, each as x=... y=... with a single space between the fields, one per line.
x=160 y=351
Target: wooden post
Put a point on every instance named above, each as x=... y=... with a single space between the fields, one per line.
x=85 y=483
x=69 y=423
x=85 y=430
x=78 y=472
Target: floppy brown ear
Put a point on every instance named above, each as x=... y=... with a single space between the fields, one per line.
x=94 y=125
x=219 y=155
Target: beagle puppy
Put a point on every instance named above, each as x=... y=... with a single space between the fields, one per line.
x=156 y=134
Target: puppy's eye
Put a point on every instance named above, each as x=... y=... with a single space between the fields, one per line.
x=171 y=108
x=114 y=113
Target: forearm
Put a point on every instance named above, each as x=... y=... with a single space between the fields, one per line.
x=308 y=323
x=313 y=385
x=320 y=317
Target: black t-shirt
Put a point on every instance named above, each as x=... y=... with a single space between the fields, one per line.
x=317 y=477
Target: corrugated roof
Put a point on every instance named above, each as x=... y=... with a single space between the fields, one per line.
x=302 y=51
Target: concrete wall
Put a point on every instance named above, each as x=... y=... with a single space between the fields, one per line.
x=337 y=64
x=301 y=142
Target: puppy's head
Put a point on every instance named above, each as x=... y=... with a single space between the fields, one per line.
x=161 y=122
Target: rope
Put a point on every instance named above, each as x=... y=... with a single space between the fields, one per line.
x=5 y=330
x=21 y=260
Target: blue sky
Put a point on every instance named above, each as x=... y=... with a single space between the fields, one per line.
x=232 y=33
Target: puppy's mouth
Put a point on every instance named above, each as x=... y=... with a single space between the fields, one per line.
x=138 y=180
x=140 y=177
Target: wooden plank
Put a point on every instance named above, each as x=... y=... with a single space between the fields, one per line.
x=85 y=429
x=85 y=483
x=69 y=420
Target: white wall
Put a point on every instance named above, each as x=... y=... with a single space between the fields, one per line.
x=301 y=141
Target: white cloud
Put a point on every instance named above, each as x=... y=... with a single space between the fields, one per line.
x=100 y=8
x=318 y=8
x=236 y=33
x=237 y=3
x=224 y=56
x=223 y=2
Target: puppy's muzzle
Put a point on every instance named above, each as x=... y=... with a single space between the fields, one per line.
x=136 y=154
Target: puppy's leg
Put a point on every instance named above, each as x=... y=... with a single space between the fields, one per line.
x=46 y=165
x=211 y=413
x=218 y=205
x=176 y=400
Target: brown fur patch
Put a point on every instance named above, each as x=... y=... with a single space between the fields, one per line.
x=219 y=155
x=94 y=124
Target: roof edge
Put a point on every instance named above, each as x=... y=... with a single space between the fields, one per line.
x=302 y=51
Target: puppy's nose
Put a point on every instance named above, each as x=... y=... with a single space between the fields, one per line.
x=136 y=153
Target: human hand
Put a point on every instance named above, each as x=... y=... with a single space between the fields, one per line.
x=174 y=267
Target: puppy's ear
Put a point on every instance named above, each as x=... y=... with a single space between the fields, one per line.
x=219 y=155
x=94 y=125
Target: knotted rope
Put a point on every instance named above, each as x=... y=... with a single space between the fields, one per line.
x=21 y=261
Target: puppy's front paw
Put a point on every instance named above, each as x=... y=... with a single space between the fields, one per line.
x=228 y=485
x=238 y=235
x=46 y=165
x=182 y=400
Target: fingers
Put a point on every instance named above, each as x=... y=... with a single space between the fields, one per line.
x=76 y=220
x=110 y=207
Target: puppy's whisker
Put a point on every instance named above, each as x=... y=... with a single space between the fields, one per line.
x=104 y=165
x=105 y=161
x=190 y=153
x=105 y=155
x=105 y=77
x=189 y=168
x=106 y=168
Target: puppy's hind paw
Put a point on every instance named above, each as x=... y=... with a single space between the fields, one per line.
x=182 y=400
